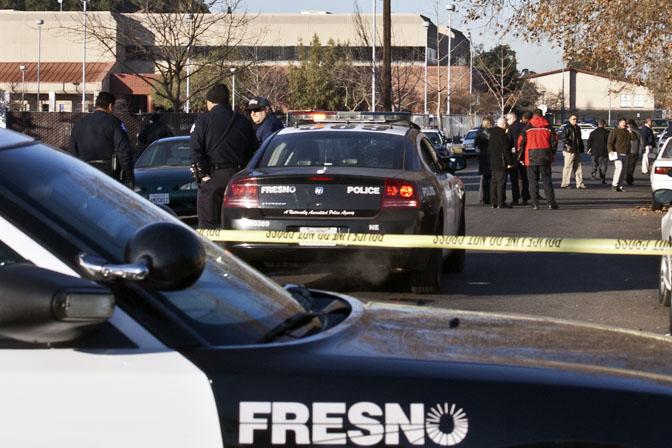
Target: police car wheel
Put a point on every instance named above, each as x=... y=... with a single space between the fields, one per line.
x=655 y=205
x=428 y=280
x=455 y=261
x=664 y=294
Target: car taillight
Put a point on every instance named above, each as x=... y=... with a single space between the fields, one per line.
x=243 y=193
x=662 y=170
x=399 y=194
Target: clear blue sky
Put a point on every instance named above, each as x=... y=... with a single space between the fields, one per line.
x=533 y=57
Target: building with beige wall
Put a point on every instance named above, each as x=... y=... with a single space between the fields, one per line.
x=270 y=39
x=592 y=94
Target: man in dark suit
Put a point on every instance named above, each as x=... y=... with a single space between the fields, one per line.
x=597 y=147
x=501 y=161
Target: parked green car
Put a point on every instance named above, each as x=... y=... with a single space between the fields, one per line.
x=162 y=175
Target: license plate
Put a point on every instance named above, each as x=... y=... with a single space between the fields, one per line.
x=322 y=230
x=160 y=198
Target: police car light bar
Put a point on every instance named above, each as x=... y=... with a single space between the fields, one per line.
x=350 y=117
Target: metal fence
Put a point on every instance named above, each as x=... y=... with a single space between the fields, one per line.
x=54 y=128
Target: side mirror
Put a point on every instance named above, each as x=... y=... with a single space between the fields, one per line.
x=454 y=163
x=174 y=254
x=42 y=306
x=163 y=256
x=663 y=196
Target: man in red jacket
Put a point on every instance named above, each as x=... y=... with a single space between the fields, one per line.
x=538 y=143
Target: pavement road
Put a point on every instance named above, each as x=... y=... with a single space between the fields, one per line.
x=610 y=290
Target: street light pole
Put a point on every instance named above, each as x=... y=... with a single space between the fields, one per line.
x=450 y=8
x=233 y=87
x=39 y=23
x=84 y=3
x=23 y=83
x=471 y=72
x=373 y=59
x=426 y=25
x=187 y=107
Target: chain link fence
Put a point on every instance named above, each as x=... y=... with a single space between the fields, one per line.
x=452 y=125
x=54 y=128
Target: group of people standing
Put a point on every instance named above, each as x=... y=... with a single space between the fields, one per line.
x=520 y=150
x=624 y=144
x=222 y=142
x=526 y=156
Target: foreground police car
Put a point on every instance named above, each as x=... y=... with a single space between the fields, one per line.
x=120 y=327
x=351 y=173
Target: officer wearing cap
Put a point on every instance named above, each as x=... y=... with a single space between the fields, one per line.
x=101 y=140
x=266 y=122
x=222 y=142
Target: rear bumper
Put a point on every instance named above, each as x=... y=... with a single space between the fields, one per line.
x=408 y=222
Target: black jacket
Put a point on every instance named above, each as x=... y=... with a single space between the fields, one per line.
x=648 y=136
x=153 y=130
x=98 y=138
x=268 y=127
x=514 y=133
x=222 y=139
x=481 y=142
x=597 y=142
x=572 y=138
x=499 y=147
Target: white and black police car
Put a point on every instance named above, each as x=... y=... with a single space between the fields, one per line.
x=343 y=172
x=121 y=327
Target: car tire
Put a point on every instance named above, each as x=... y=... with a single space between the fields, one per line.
x=655 y=205
x=664 y=294
x=428 y=280
x=455 y=261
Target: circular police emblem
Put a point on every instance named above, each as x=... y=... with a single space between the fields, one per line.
x=446 y=425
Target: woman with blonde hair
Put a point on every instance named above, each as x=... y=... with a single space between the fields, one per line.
x=482 y=141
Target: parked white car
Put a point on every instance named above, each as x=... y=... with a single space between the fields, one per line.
x=660 y=173
x=586 y=129
x=665 y=276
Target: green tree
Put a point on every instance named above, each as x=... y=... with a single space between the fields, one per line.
x=310 y=82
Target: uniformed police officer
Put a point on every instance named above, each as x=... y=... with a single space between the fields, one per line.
x=101 y=140
x=222 y=142
x=266 y=123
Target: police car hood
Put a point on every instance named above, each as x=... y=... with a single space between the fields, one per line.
x=430 y=334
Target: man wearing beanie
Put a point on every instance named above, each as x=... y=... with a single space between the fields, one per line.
x=222 y=142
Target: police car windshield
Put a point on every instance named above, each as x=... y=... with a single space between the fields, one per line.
x=229 y=304
x=362 y=149
x=170 y=153
x=471 y=135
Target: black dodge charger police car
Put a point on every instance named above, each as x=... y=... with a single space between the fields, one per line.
x=121 y=327
x=344 y=172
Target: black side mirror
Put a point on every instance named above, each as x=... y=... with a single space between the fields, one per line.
x=174 y=254
x=454 y=163
x=162 y=256
x=42 y=306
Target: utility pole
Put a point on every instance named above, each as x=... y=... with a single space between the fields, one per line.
x=387 y=56
x=373 y=58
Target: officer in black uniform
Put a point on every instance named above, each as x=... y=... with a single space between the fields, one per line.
x=101 y=140
x=222 y=142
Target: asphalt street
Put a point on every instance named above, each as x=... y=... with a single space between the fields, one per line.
x=601 y=289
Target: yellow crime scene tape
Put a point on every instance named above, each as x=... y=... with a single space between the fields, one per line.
x=601 y=246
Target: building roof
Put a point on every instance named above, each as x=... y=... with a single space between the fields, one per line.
x=577 y=70
x=129 y=84
x=55 y=72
